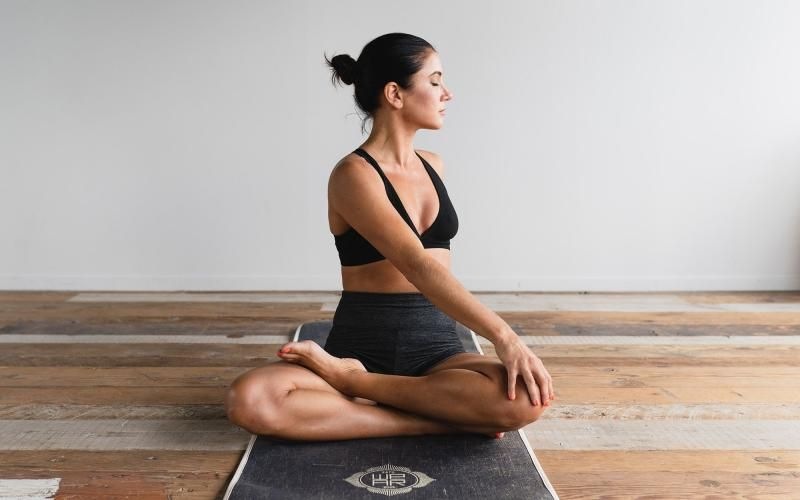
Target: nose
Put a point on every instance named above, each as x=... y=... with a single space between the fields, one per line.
x=448 y=95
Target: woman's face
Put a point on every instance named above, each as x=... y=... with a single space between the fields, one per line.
x=428 y=97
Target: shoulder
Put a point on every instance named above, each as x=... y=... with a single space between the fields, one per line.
x=434 y=159
x=351 y=172
x=352 y=165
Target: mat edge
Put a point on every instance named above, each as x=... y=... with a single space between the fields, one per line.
x=240 y=468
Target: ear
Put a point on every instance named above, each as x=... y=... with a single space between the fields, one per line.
x=393 y=94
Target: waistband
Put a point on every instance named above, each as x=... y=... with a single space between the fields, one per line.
x=356 y=297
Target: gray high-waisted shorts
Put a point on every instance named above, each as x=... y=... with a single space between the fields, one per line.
x=393 y=333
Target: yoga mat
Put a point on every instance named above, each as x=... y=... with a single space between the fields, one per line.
x=446 y=466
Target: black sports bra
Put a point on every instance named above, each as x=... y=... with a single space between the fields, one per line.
x=355 y=250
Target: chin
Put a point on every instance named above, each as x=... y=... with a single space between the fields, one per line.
x=437 y=125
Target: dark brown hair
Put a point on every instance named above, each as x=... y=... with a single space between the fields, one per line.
x=393 y=57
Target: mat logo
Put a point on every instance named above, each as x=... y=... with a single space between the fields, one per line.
x=389 y=480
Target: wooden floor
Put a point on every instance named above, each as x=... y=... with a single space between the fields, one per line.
x=119 y=395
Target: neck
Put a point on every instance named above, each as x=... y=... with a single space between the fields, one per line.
x=391 y=141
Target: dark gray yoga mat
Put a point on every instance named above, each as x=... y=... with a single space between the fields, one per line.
x=446 y=466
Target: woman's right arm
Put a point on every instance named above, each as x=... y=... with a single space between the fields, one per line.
x=358 y=194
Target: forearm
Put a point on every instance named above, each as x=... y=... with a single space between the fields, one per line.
x=439 y=285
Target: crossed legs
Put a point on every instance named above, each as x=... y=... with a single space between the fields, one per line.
x=311 y=395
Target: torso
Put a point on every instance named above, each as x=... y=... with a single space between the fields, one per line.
x=422 y=203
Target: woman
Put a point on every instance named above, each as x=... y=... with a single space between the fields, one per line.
x=393 y=364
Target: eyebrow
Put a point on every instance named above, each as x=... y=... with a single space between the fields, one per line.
x=440 y=73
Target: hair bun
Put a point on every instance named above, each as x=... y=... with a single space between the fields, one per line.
x=345 y=67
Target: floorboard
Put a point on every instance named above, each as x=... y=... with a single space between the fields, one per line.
x=659 y=396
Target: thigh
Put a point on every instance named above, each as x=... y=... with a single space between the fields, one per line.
x=491 y=367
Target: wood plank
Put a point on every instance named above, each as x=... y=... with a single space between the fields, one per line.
x=667 y=381
x=529 y=326
x=669 y=485
x=671 y=395
x=591 y=410
x=782 y=296
x=233 y=328
x=154 y=376
x=143 y=339
x=134 y=311
x=557 y=434
x=706 y=340
x=126 y=410
x=755 y=460
x=164 y=461
x=7 y=296
x=663 y=362
x=133 y=355
x=624 y=370
x=113 y=395
x=111 y=435
x=155 y=486
x=662 y=319
x=173 y=474
x=170 y=297
x=696 y=354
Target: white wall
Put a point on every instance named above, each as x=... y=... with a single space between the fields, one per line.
x=615 y=145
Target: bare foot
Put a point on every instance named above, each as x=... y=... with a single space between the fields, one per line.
x=494 y=435
x=333 y=370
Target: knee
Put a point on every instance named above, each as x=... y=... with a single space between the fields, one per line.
x=520 y=413
x=517 y=413
x=250 y=404
x=509 y=415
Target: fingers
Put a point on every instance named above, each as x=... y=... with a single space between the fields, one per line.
x=533 y=389
x=544 y=388
x=545 y=382
x=512 y=382
x=540 y=385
